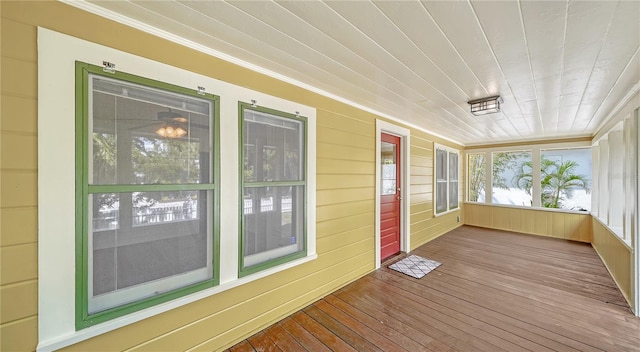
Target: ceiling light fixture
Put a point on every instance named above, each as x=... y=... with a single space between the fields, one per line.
x=171 y=131
x=485 y=106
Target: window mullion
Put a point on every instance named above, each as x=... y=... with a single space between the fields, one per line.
x=488 y=183
x=536 y=191
x=149 y=188
x=273 y=184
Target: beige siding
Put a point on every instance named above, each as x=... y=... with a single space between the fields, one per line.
x=345 y=194
x=18 y=212
x=424 y=225
x=617 y=257
x=569 y=226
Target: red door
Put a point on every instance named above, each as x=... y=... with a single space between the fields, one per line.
x=389 y=196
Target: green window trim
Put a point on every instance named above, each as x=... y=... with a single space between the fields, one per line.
x=244 y=270
x=83 y=189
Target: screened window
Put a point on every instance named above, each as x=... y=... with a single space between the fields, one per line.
x=453 y=180
x=273 y=188
x=477 y=166
x=512 y=178
x=565 y=179
x=544 y=177
x=616 y=177
x=145 y=192
x=446 y=179
x=615 y=180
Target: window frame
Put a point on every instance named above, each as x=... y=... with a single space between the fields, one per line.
x=84 y=73
x=536 y=150
x=483 y=187
x=447 y=200
x=248 y=270
x=622 y=140
x=535 y=174
x=590 y=182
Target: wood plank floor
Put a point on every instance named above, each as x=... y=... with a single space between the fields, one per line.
x=495 y=291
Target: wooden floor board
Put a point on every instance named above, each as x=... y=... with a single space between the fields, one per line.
x=385 y=330
x=495 y=291
x=304 y=337
x=331 y=340
x=282 y=339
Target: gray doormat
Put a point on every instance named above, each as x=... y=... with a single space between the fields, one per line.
x=415 y=266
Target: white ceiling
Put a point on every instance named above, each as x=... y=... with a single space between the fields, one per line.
x=561 y=66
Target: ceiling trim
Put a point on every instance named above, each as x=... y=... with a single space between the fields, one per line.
x=127 y=21
x=624 y=101
x=578 y=141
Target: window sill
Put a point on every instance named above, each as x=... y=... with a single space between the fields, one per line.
x=446 y=212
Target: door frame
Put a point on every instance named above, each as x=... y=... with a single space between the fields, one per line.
x=405 y=153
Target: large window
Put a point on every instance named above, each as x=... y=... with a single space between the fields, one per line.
x=616 y=165
x=446 y=179
x=564 y=179
x=540 y=177
x=273 y=188
x=145 y=193
x=477 y=166
x=512 y=178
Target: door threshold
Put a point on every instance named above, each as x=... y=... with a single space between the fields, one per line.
x=394 y=258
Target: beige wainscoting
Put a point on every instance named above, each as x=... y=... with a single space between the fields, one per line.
x=615 y=255
x=558 y=224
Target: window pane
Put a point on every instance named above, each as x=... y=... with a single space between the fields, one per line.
x=388 y=157
x=273 y=222
x=565 y=177
x=453 y=181
x=616 y=180
x=603 y=181
x=453 y=195
x=168 y=161
x=477 y=176
x=441 y=180
x=141 y=135
x=441 y=197
x=273 y=148
x=512 y=178
x=453 y=167
x=441 y=165
x=144 y=244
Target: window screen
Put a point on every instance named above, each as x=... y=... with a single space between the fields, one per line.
x=273 y=187
x=512 y=178
x=441 y=181
x=477 y=176
x=453 y=181
x=147 y=194
x=446 y=180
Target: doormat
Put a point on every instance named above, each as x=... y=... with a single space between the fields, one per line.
x=415 y=266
